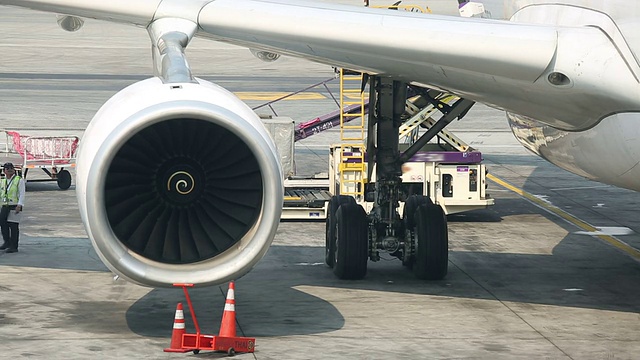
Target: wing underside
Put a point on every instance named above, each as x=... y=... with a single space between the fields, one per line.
x=509 y=65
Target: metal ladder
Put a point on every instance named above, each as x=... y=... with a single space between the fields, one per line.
x=352 y=171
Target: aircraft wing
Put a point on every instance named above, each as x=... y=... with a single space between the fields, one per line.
x=510 y=65
x=136 y=12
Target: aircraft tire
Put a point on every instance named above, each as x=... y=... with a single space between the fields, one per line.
x=410 y=207
x=334 y=204
x=432 y=243
x=352 y=242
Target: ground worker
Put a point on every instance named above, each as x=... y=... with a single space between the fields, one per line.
x=12 y=189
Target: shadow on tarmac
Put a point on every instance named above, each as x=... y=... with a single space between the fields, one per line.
x=272 y=296
x=581 y=272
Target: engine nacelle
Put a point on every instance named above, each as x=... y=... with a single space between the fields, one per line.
x=178 y=183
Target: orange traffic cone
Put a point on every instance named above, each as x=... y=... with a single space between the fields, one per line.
x=227 y=339
x=228 y=323
x=178 y=331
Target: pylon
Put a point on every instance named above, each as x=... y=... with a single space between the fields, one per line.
x=178 y=331
x=227 y=339
x=228 y=323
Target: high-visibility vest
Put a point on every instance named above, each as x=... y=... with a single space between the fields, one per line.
x=11 y=195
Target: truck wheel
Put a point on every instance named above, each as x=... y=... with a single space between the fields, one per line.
x=64 y=179
x=334 y=204
x=352 y=242
x=432 y=243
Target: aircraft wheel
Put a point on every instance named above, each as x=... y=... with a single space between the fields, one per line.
x=432 y=243
x=352 y=243
x=334 y=204
x=64 y=179
x=410 y=207
x=408 y=263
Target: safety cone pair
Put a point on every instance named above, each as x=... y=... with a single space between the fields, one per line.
x=178 y=332
x=226 y=340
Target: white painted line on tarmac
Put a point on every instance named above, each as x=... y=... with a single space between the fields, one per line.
x=608 y=230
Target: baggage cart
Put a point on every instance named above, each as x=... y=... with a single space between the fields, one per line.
x=51 y=154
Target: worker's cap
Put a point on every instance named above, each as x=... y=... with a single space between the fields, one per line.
x=8 y=166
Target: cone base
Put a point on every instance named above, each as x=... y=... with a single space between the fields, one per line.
x=238 y=344
x=217 y=343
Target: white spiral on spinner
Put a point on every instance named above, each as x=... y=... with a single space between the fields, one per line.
x=182 y=185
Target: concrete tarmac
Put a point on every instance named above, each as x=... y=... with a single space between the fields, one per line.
x=526 y=280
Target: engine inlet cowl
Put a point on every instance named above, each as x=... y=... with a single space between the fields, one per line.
x=178 y=183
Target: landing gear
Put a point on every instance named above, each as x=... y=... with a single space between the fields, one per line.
x=420 y=238
x=351 y=243
x=432 y=242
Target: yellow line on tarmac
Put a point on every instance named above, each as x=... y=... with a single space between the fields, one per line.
x=619 y=244
x=356 y=97
x=270 y=96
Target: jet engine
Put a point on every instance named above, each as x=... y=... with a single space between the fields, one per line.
x=178 y=183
